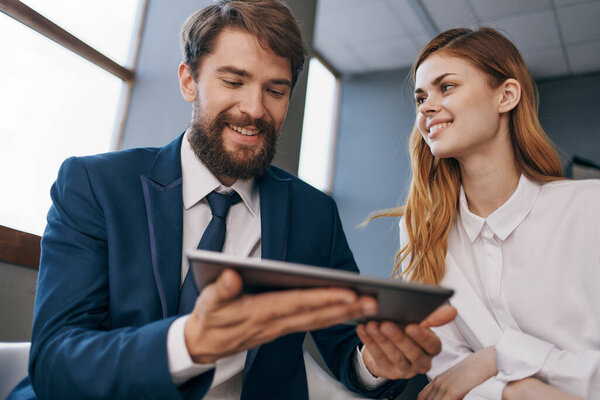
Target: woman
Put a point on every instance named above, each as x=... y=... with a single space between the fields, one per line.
x=489 y=215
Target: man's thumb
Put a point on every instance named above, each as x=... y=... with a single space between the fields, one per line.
x=229 y=285
x=439 y=317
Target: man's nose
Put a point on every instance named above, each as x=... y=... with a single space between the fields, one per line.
x=252 y=103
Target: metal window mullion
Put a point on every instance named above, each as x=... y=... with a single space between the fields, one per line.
x=27 y=16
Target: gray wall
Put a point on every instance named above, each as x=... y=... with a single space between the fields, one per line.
x=569 y=112
x=158 y=113
x=372 y=167
x=17 y=293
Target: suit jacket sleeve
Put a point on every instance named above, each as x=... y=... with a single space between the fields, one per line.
x=76 y=352
x=337 y=344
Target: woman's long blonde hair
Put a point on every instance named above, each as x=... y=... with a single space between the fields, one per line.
x=433 y=197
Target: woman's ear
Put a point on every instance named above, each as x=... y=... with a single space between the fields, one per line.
x=510 y=90
x=187 y=83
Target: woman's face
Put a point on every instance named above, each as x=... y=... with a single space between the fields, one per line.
x=458 y=111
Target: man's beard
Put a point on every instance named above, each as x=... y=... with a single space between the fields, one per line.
x=251 y=161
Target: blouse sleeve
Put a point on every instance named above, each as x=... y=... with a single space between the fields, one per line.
x=520 y=355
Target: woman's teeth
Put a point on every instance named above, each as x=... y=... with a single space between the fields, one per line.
x=437 y=127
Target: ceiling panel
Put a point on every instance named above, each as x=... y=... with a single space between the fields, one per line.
x=342 y=58
x=335 y=6
x=387 y=54
x=530 y=31
x=360 y=36
x=374 y=20
x=450 y=14
x=580 y=22
x=560 y=3
x=407 y=16
x=546 y=63
x=584 y=58
x=487 y=9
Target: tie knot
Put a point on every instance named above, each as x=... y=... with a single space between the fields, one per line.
x=220 y=203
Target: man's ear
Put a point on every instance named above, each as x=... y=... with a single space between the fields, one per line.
x=510 y=91
x=187 y=84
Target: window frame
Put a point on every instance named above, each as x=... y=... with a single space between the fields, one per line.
x=23 y=248
x=336 y=118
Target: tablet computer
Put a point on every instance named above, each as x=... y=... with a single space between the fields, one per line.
x=398 y=301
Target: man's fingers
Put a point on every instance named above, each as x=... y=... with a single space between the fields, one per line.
x=371 y=343
x=276 y=305
x=441 y=316
x=321 y=318
x=305 y=321
x=398 y=347
x=425 y=338
x=403 y=347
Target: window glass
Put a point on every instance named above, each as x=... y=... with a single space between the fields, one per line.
x=316 y=149
x=106 y=25
x=53 y=104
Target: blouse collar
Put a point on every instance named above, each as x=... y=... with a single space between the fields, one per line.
x=504 y=220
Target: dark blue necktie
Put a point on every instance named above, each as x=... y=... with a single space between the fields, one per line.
x=212 y=239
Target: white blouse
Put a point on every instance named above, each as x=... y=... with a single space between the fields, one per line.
x=527 y=280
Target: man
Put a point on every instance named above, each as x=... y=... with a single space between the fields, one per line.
x=111 y=319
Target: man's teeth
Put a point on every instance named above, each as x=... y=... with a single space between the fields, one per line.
x=437 y=127
x=244 y=131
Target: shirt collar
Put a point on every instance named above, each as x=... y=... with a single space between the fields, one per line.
x=198 y=181
x=507 y=217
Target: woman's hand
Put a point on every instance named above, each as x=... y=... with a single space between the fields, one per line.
x=533 y=389
x=457 y=381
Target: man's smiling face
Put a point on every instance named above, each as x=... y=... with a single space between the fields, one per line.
x=240 y=97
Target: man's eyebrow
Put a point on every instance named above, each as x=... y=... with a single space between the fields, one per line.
x=233 y=70
x=436 y=81
x=285 y=82
x=230 y=69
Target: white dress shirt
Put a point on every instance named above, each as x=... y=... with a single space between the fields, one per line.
x=242 y=237
x=526 y=281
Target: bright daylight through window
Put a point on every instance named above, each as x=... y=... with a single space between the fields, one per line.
x=318 y=131
x=54 y=103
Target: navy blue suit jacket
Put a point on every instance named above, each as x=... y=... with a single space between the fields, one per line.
x=110 y=273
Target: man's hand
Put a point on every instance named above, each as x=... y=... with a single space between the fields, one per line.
x=457 y=381
x=395 y=353
x=224 y=322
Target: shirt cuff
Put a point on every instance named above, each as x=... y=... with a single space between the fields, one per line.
x=364 y=376
x=489 y=390
x=577 y=373
x=181 y=365
x=520 y=355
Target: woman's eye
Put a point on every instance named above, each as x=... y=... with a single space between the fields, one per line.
x=446 y=87
x=420 y=100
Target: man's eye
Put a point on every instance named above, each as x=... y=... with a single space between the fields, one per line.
x=232 y=83
x=276 y=93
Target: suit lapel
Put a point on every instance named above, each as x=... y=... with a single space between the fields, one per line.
x=164 y=210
